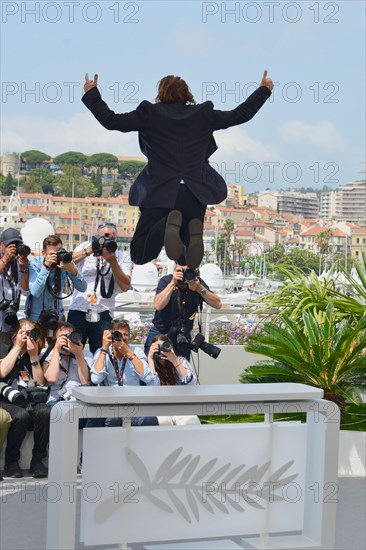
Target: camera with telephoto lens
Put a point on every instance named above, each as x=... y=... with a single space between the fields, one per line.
x=48 y=319
x=190 y=274
x=34 y=334
x=10 y=309
x=22 y=249
x=199 y=343
x=75 y=337
x=12 y=396
x=163 y=348
x=98 y=243
x=63 y=256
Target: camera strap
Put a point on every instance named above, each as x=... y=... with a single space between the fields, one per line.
x=119 y=373
x=11 y=276
x=65 y=370
x=46 y=353
x=100 y=275
x=56 y=290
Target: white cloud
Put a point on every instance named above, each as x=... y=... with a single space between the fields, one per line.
x=81 y=132
x=321 y=134
x=236 y=143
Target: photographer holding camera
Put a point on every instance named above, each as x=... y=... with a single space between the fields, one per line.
x=172 y=370
x=47 y=277
x=107 y=272
x=14 y=280
x=20 y=369
x=116 y=364
x=67 y=364
x=178 y=298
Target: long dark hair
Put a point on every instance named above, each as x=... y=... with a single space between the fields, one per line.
x=165 y=369
x=173 y=89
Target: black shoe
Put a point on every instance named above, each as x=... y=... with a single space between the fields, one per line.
x=195 y=248
x=13 y=470
x=172 y=241
x=38 y=469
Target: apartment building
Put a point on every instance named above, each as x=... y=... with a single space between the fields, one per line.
x=351 y=202
x=337 y=239
x=290 y=202
x=327 y=204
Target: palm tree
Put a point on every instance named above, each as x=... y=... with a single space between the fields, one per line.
x=321 y=352
x=308 y=293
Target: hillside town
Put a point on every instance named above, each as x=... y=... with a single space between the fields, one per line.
x=250 y=224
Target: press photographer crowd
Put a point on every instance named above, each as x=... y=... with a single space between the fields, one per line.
x=43 y=355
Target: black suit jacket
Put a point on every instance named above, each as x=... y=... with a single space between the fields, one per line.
x=177 y=141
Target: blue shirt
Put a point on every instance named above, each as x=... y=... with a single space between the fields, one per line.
x=108 y=376
x=41 y=298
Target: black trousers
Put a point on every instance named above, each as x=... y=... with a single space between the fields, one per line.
x=148 y=239
x=37 y=419
x=91 y=331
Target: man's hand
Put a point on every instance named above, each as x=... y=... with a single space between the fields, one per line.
x=50 y=259
x=23 y=262
x=89 y=84
x=32 y=348
x=178 y=274
x=195 y=285
x=70 y=268
x=109 y=257
x=10 y=253
x=20 y=339
x=122 y=347
x=76 y=349
x=61 y=342
x=267 y=82
x=107 y=339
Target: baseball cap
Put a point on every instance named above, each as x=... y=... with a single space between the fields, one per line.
x=11 y=235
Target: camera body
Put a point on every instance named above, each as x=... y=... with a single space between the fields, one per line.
x=48 y=319
x=190 y=274
x=75 y=337
x=10 y=309
x=163 y=348
x=12 y=396
x=22 y=249
x=116 y=336
x=99 y=242
x=34 y=334
x=63 y=256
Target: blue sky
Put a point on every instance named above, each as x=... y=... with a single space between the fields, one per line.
x=311 y=132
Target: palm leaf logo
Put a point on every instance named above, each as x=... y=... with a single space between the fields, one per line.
x=182 y=481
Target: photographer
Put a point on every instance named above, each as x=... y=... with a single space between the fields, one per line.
x=14 y=279
x=21 y=370
x=176 y=302
x=116 y=364
x=67 y=365
x=172 y=371
x=47 y=276
x=107 y=272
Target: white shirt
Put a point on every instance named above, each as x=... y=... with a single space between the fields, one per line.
x=88 y=268
x=69 y=380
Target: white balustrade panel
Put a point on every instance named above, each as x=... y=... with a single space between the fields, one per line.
x=173 y=483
